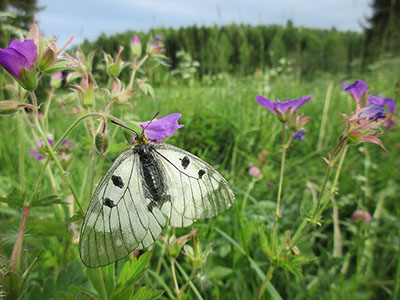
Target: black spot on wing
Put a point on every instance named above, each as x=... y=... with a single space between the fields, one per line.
x=108 y=202
x=117 y=181
x=201 y=173
x=185 y=161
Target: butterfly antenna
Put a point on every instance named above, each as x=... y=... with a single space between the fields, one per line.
x=119 y=124
x=152 y=119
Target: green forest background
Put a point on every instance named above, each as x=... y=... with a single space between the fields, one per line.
x=244 y=49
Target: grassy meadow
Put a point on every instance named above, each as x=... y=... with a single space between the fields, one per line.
x=338 y=259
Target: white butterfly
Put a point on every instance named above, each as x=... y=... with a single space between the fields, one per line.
x=143 y=185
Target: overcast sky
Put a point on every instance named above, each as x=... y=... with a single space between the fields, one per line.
x=90 y=18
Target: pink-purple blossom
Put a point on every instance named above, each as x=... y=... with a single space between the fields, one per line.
x=162 y=128
x=299 y=135
x=40 y=150
x=18 y=55
x=361 y=215
x=135 y=40
x=285 y=109
x=357 y=90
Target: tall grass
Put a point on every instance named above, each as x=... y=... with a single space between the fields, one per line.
x=225 y=127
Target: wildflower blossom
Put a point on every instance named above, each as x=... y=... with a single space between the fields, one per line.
x=299 y=135
x=40 y=150
x=254 y=171
x=136 y=46
x=361 y=216
x=160 y=129
x=283 y=110
x=19 y=59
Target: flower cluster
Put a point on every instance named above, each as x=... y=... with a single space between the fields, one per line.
x=365 y=124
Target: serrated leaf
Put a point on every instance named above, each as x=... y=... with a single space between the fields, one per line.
x=145 y=293
x=73 y=274
x=35 y=293
x=96 y=279
x=133 y=270
x=48 y=288
x=265 y=240
x=109 y=274
x=13 y=201
x=47 y=201
x=221 y=272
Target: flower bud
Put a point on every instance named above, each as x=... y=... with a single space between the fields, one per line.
x=56 y=80
x=101 y=142
x=129 y=135
x=47 y=59
x=89 y=97
x=12 y=284
x=28 y=79
x=8 y=107
x=136 y=46
x=361 y=216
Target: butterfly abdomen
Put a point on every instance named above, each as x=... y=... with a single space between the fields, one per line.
x=151 y=174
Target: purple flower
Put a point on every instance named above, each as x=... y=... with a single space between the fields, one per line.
x=361 y=215
x=383 y=101
x=135 y=40
x=283 y=110
x=298 y=135
x=160 y=129
x=18 y=55
x=357 y=90
x=40 y=148
x=371 y=112
x=157 y=38
x=40 y=151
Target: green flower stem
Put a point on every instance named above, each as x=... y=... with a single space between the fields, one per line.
x=58 y=164
x=21 y=160
x=16 y=253
x=135 y=68
x=46 y=108
x=178 y=295
x=278 y=200
x=267 y=279
x=306 y=225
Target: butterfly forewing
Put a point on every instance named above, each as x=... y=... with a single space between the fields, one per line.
x=142 y=186
x=117 y=220
x=196 y=189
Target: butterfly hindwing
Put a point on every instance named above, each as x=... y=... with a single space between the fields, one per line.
x=118 y=219
x=196 y=189
x=145 y=183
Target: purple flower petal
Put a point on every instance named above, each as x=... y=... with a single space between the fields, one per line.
x=268 y=104
x=282 y=107
x=135 y=40
x=357 y=89
x=18 y=55
x=383 y=101
x=299 y=135
x=160 y=129
x=36 y=155
x=371 y=111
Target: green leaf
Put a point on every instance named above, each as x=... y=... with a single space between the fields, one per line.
x=109 y=274
x=35 y=292
x=95 y=276
x=48 y=288
x=46 y=201
x=145 y=293
x=221 y=272
x=13 y=201
x=73 y=274
x=133 y=270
